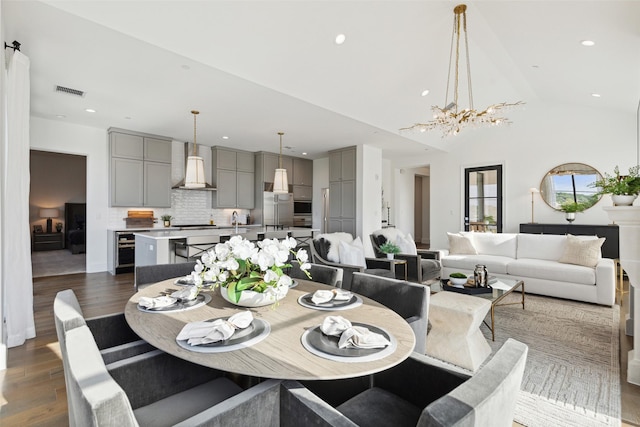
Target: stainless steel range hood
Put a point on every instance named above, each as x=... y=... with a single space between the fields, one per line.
x=180 y=152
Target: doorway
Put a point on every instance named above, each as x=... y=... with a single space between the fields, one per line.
x=422 y=208
x=58 y=181
x=483 y=199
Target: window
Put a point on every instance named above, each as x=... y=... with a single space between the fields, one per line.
x=483 y=199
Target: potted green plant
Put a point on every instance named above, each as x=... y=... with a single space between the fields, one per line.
x=489 y=219
x=167 y=220
x=623 y=188
x=570 y=208
x=390 y=249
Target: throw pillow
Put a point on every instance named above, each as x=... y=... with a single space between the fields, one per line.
x=582 y=251
x=460 y=245
x=407 y=245
x=352 y=253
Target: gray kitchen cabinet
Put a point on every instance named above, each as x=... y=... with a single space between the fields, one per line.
x=127 y=182
x=342 y=191
x=140 y=172
x=226 y=183
x=245 y=190
x=302 y=192
x=157 y=184
x=224 y=158
x=233 y=177
x=126 y=145
x=157 y=150
x=302 y=171
x=245 y=161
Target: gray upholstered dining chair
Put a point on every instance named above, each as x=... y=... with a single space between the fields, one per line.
x=148 y=274
x=417 y=393
x=326 y=274
x=409 y=300
x=115 y=339
x=162 y=390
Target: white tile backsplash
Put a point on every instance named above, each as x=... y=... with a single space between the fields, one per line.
x=187 y=207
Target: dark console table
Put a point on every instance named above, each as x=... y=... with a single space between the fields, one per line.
x=610 y=248
x=48 y=241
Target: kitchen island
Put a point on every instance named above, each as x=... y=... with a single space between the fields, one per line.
x=171 y=246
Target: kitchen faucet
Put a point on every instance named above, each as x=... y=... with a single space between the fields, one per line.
x=234 y=219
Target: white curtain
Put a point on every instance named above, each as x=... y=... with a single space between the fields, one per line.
x=16 y=251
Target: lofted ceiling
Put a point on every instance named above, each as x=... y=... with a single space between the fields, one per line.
x=254 y=68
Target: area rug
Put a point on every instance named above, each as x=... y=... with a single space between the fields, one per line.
x=572 y=375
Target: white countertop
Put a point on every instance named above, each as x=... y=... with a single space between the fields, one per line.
x=173 y=233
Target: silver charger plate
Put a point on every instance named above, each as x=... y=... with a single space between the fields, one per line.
x=325 y=346
x=179 y=305
x=257 y=331
x=305 y=301
x=184 y=281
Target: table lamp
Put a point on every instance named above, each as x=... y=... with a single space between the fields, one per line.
x=49 y=213
x=532 y=191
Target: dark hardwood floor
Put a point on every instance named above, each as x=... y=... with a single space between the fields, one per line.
x=33 y=389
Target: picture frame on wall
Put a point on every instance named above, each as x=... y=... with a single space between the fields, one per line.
x=37 y=228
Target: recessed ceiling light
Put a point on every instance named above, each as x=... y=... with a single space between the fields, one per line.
x=595 y=95
x=90 y=110
x=225 y=137
x=425 y=92
x=535 y=66
x=587 y=43
x=340 y=38
x=127 y=118
x=185 y=67
x=304 y=153
x=60 y=116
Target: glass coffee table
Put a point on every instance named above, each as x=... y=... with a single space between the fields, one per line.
x=499 y=290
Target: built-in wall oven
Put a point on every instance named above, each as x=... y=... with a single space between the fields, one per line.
x=302 y=216
x=125 y=252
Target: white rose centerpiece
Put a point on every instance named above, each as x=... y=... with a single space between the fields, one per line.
x=248 y=273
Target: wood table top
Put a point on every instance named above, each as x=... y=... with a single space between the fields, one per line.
x=281 y=354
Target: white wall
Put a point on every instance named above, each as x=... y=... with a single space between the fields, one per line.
x=539 y=139
x=369 y=194
x=53 y=135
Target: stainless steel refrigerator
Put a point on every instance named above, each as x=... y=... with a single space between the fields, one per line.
x=278 y=209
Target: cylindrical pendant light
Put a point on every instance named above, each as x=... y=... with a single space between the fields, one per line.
x=194 y=175
x=280 y=181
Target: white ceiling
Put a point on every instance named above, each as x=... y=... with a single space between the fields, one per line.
x=254 y=68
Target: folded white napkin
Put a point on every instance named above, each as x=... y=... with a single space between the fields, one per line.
x=321 y=296
x=197 y=333
x=342 y=295
x=157 y=302
x=187 y=294
x=352 y=336
x=362 y=337
x=324 y=296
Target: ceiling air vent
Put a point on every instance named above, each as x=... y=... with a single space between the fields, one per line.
x=69 y=91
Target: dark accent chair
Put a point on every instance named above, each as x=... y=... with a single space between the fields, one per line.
x=422 y=267
x=409 y=300
x=162 y=390
x=320 y=249
x=149 y=274
x=331 y=276
x=417 y=393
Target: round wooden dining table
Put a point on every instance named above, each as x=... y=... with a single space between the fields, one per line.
x=281 y=354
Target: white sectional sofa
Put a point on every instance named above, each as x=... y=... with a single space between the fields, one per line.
x=536 y=259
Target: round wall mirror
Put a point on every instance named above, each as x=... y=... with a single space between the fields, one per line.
x=570 y=182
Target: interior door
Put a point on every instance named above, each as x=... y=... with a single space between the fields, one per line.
x=483 y=199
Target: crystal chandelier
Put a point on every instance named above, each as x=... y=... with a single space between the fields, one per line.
x=449 y=119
